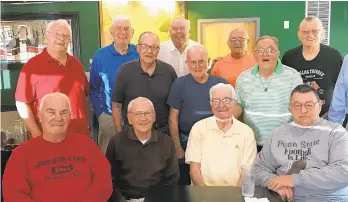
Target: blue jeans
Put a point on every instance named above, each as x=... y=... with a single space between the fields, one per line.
x=184 y=168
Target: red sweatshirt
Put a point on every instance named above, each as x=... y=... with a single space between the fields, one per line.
x=74 y=170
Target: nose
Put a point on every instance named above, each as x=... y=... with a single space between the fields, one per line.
x=303 y=109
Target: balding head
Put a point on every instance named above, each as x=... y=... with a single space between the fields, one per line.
x=311 y=31
x=197 y=62
x=179 y=32
x=238 y=32
x=197 y=48
x=238 y=42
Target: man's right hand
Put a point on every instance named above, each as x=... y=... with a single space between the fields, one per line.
x=287 y=193
x=180 y=153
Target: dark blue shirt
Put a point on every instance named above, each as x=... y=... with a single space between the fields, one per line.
x=104 y=68
x=192 y=100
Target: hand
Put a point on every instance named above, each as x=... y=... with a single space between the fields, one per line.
x=287 y=193
x=180 y=153
x=215 y=60
x=281 y=181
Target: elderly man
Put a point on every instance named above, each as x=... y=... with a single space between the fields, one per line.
x=146 y=77
x=264 y=91
x=318 y=64
x=174 y=51
x=54 y=70
x=306 y=159
x=219 y=145
x=104 y=68
x=339 y=105
x=188 y=101
x=59 y=165
x=239 y=60
x=140 y=156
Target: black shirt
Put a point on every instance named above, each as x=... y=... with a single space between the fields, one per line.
x=321 y=72
x=132 y=82
x=136 y=166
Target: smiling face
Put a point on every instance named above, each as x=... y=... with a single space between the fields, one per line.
x=142 y=116
x=238 y=41
x=179 y=32
x=58 y=38
x=122 y=31
x=310 y=32
x=197 y=62
x=221 y=104
x=266 y=53
x=148 y=48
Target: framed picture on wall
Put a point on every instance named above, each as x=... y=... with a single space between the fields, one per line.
x=23 y=36
x=145 y=16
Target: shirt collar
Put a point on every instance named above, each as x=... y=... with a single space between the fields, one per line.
x=278 y=70
x=132 y=136
x=171 y=46
x=50 y=59
x=212 y=125
x=158 y=70
x=131 y=49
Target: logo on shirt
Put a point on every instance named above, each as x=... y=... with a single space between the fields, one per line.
x=297 y=150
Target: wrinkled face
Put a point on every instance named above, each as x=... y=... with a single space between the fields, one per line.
x=310 y=33
x=58 y=38
x=142 y=116
x=179 y=32
x=148 y=48
x=122 y=32
x=305 y=108
x=221 y=104
x=197 y=62
x=266 y=53
x=55 y=116
x=238 y=41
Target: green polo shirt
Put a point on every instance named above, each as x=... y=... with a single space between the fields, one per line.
x=265 y=101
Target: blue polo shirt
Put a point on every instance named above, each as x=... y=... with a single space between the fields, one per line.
x=105 y=65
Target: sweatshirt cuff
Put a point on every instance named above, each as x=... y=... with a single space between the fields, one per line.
x=297 y=180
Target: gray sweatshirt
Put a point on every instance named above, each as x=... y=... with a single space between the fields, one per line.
x=316 y=157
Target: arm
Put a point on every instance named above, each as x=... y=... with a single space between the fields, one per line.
x=16 y=186
x=95 y=85
x=116 y=115
x=238 y=106
x=118 y=98
x=332 y=176
x=27 y=115
x=339 y=103
x=196 y=175
x=174 y=131
x=249 y=150
x=101 y=187
x=171 y=171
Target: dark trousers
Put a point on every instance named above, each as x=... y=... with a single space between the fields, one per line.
x=259 y=148
x=345 y=122
x=185 y=178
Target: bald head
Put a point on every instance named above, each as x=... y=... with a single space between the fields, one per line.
x=238 y=32
x=180 y=22
x=197 y=49
x=238 y=42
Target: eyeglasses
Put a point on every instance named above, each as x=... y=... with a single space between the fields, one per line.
x=261 y=51
x=308 y=105
x=138 y=114
x=216 y=101
x=147 y=47
x=194 y=63
x=120 y=28
x=60 y=35
x=239 y=39
x=314 y=32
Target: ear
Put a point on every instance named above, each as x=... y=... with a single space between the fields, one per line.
x=138 y=49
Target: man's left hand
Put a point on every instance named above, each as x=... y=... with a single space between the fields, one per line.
x=281 y=181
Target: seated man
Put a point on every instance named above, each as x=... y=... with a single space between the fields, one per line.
x=307 y=158
x=57 y=166
x=218 y=146
x=140 y=157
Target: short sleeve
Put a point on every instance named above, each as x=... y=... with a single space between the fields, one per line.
x=194 y=145
x=25 y=91
x=239 y=91
x=118 y=91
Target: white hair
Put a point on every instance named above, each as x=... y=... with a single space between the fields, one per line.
x=138 y=99
x=221 y=86
x=56 y=95
x=315 y=18
x=188 y=23
x=119 y=18
x=59 y=22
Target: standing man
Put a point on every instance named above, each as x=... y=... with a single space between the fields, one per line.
x=174 y=50
x=318 y=64
x=105 y=65
x=54 y=70
x=239 y=60
x=189 y=102
x=339 y=105
x=146 y=77
x=264 y=90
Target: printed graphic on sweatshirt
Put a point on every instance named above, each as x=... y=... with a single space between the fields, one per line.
x=310 y=76
x=297 y=150
x=61 y=167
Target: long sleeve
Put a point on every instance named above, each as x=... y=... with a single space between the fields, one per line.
x=101 y=188
x=265 y=166
x=171 y=172
x=16 y=185
x=95 y=86
x=339 y=103
x=332 y=176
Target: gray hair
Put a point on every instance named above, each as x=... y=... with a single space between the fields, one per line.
x=275 y=39
x=59 y=22
x=188 y=23
x=315 y=18
x=240 y=30
x=119 y=18
x=221 y=86
x=57 y=95
x=138 y=99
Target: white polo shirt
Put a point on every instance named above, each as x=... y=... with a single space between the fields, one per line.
x=169 y=54
x=221 y=154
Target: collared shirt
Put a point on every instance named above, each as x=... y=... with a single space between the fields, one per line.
x=266 y=101
x=171 y=55
x=339 y=104
x=221 y=154
x=105 y=65
x=136 y=166
x=43 y=74
x=132 y=82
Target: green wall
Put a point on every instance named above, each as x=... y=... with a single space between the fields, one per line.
x=339 y=26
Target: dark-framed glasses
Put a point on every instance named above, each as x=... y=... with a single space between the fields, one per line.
x=261 y=51
x=138 y=114
x=147 y=47
x=216 y=101
x=308 y=105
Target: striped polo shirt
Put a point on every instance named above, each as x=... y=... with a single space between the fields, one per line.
x=265 y=101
